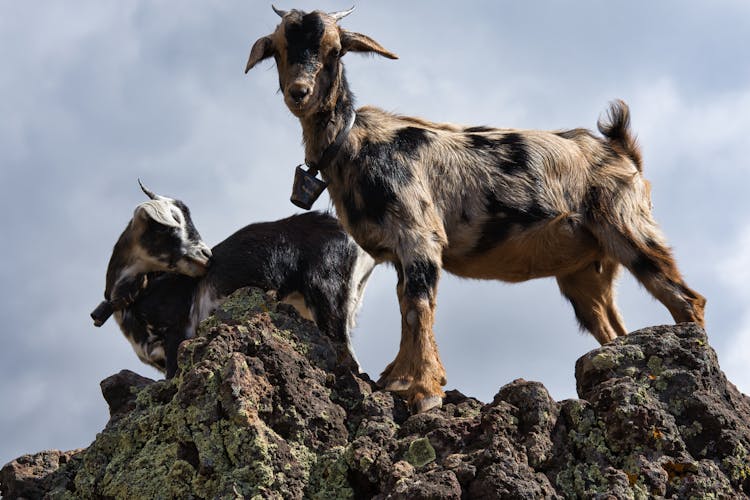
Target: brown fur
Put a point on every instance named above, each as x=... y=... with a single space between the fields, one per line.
x=480 y=202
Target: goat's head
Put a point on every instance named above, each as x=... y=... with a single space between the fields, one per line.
x=165 y=238
x=308 y=48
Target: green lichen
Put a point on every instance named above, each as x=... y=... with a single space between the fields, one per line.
x=737 y=465
x=239 y=307
x=604 y=360
x=582 y=480
x=656 y=366
x=328 y=477
x=691 y=430
x=420 y=452
x=288 y=337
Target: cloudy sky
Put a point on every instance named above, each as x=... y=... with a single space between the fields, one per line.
x=95 y=94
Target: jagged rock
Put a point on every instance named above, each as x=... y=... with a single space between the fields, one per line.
x=261 y=408
x=118 y=391
x=34 y=476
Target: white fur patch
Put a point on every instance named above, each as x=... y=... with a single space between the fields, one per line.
x=205 y=301
x=363 y=267
x=162 y=211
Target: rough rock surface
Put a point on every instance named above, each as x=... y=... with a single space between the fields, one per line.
x=260 y=408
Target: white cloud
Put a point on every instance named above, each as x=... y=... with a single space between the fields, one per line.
x=734 y=272
x=681 y=133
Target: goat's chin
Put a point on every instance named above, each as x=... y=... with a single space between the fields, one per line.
x=192 y=268
x=301 y=110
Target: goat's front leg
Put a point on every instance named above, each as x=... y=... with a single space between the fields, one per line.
x=126 y=291
x=417 y=370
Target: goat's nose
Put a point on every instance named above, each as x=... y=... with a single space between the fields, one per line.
x=207 y=254
x=299 y=91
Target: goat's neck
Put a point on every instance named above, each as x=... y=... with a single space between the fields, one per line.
x=320 y=129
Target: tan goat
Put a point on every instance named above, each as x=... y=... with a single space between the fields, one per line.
x=480 y=202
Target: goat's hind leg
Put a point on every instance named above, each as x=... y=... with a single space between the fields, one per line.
x=591 y=293
x=329 y=313
x=651 y=262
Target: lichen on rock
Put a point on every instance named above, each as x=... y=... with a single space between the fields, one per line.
x=260 y=408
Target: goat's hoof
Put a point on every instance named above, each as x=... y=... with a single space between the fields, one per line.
x=426 y=403
x=395 y=385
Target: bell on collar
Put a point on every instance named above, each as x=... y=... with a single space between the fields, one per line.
x=307 y=188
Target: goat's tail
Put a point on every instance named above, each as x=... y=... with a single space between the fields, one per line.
x=615 y=126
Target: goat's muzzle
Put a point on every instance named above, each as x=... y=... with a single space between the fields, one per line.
x=298 y=97
x=298 y=92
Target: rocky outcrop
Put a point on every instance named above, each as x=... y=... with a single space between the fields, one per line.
x=261 y=408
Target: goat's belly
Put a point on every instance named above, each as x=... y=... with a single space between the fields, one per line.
x=296 y=300
x=147 y=346
x=552 y=249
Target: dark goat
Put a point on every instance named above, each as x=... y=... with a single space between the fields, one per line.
x=480 y=202
x=307 y=259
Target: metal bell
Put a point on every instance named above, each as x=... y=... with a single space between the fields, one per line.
x=307 y=188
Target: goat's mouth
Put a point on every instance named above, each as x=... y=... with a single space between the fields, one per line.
x=193 y=265
x=298 y=107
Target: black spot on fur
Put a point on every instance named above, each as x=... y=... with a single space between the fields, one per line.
x=477 y=141
x=409 y=140
x=384 y=173
x=644 y=265
x=481 y=128
x=514 y=155
x=378 y=192
x=421 y=279
x=509 y=150
x=353 y=213
x=303 y=39
x=504 y=219
x=163 y=242
x=653 y=244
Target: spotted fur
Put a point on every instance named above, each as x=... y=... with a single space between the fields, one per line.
x=308 y=260
x=480 y=202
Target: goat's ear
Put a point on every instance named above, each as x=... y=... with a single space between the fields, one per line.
x=159 y=211
x=357 y=42
x=262 y=49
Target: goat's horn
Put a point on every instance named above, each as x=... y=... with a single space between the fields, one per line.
x=148 y=192
x=281 y=13
x=341 y=14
